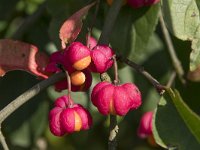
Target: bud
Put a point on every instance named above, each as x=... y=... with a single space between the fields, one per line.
x=101 y=58
x=115 y=99
x=67 y=117
x=78 y=55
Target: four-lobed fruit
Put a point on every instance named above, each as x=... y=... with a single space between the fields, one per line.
x=115 y=99
x=145 y=128
x=101 y=58
x=67 y=117
x=78 y=55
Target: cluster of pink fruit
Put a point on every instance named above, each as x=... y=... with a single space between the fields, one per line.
x=79 y=61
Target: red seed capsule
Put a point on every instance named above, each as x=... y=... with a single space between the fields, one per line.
x=145 y=126
x=67 y=117
x=101 y=58
x=115 y=100
x=78 y=55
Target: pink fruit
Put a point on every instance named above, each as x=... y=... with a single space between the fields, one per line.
x=67 y=117
x=101 y=58
x=115 y=99
x=145 y=126
x=78 y=55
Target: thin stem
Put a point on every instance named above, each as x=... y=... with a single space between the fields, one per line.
x=116 y=81
x=160 y=88
x=176 y=63
x=26 y=96
x=68 y=83
x=69 y=88
x=3 y=141
x=171 y=79
x=110 y=21
x=112 y=141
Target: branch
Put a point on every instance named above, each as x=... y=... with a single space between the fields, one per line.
x=141 y=70
x=26 y=96
x=3 y=141
x=112 y=142
x=104 y=39
x=176 y=63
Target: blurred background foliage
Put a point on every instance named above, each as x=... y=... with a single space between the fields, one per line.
x=136 y=35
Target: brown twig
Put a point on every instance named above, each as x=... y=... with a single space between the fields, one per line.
x=176 y=62
x=159 y=87
x=3 y=141
x=23 y=98
x=26 y=96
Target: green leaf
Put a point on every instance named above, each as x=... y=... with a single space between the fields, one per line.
x=182 y=18
x=191 y=119
x=133 y=30
x=175 y=124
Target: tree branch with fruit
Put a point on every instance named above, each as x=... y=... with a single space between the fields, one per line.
x=72 y=68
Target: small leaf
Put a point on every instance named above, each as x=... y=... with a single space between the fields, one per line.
x=182 y=18
x=16 y=55
x=175 y=124
x=72 y=26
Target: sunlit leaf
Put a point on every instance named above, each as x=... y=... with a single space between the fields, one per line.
x=182 y=18
x=72 y=26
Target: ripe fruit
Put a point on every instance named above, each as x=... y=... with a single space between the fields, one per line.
x=67 y=117
x=145 y=126
x=115 y=99
x=77 y=78
x=78 y=56
x=141 y=3
x=101 y=58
